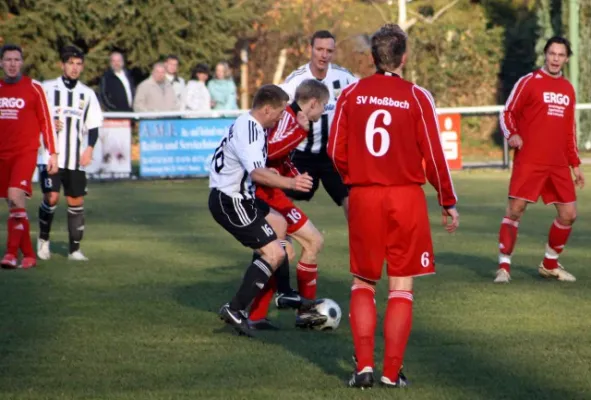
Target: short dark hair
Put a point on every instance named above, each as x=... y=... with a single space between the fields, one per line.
x=321 y=35
x=559 y=40
x=271 y=95
x=311 y=89
x=10 y=47
x=71 y=52
x=200 y=69
x=172 y=57
x=388 y=45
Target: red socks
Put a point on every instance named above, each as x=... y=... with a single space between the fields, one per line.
x=18 y=227
x=557 y=238
x=363 y=319
x=260 y=305
x=306 y=275
x=507 y=239
x=397 y=325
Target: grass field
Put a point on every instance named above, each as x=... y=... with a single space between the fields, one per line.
x=139 y=320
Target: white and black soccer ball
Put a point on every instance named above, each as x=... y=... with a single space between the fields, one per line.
x=332 y=311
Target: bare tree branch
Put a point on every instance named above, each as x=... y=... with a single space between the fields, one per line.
x=435 y=16
x=384 y=17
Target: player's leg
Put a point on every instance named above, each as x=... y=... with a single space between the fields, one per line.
x=75 y=189
x=311 y=241
x=50 y=187
x=367 y=248
x=334 y=186
x=410 y=254
x=525 y=187
x=560 y=191
x=19 y=188
x=243 y=220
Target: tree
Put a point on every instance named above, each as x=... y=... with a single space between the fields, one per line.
x=204 y=31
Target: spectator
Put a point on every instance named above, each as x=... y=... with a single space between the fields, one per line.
x=178 y=84
x=223 y=89
x=117 y=87
x=155 y=93
x=196 y=96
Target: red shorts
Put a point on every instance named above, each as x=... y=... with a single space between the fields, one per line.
x=278 y=200
x=17 y=172
x=389 y=223
x=554 y=184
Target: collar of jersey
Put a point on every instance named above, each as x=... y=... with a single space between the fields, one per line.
x=295 y=107
x=382 y=72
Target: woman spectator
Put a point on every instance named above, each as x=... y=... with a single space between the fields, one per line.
x=196 y=96
x=223 y=89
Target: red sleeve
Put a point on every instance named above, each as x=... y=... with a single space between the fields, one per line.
x=513 y=107
x=339 y=136
x=430 y=144
x=44 y=118
x=572 y=149
x=285 y=137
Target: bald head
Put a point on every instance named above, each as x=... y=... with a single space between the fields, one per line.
x=116 y=61
x=159 y=72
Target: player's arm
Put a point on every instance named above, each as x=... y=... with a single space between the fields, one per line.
x=47 y=132
x=93 y=120
x=429 y=141
x=339 y=137
x=512 y=110
x=572 y=149
x=286 y=136
x=253 y=161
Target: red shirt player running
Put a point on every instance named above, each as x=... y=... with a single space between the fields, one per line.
x=384 y=128
x=24 y=113
x=311 y=97
x=539 y=121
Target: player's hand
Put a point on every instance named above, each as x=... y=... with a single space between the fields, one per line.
x=86 y=158
x=59 y=125
x=303 y=121
x=450 y=226
x=302 y=182
x=516 y=142
x=579 y=177
x=52 y=166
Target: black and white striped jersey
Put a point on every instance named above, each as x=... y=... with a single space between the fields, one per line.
x=243 y=149
x=79 y=111
x=337 y=79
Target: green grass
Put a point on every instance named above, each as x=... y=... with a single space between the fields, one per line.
x=139 y=320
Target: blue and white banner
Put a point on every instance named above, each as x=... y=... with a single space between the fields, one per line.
x=179 y=147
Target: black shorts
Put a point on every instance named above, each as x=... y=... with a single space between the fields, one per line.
x=243 y=219
x=73 y=181
x=320 y=168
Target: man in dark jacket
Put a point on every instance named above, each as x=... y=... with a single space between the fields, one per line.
x=117 y=88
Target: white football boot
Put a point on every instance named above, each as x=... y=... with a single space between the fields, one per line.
x=557 y=273
x=77 y=256
x=43 y=251
x=503 y=276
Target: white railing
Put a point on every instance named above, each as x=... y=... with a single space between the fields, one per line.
x=234 y=113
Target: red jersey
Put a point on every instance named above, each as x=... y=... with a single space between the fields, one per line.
x=24 y=114
x=541 y=109
x=384 y=127
x=283 y=139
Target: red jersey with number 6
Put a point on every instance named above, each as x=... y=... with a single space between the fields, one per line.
x=541 y=109
x=384 y=127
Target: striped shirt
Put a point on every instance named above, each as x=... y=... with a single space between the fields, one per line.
x=79 y=111
x=242 y=150
x=337 y=78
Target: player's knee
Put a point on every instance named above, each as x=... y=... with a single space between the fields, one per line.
x=75 y=201
x=515 y=210
x=289 y=250
x=567 y=217
x=16 y=198
x=51 y=198
x=274 y=254
x=316 y=243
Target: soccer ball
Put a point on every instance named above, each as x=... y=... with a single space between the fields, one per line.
x=332 y=311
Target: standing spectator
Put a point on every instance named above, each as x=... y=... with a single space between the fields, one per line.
x=117 y=87
x=24 y=113
x=178 y=84
x=155 y=93
x=196 y=96
x=223 y=89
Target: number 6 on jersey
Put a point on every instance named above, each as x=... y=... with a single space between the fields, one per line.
x=371 y=130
